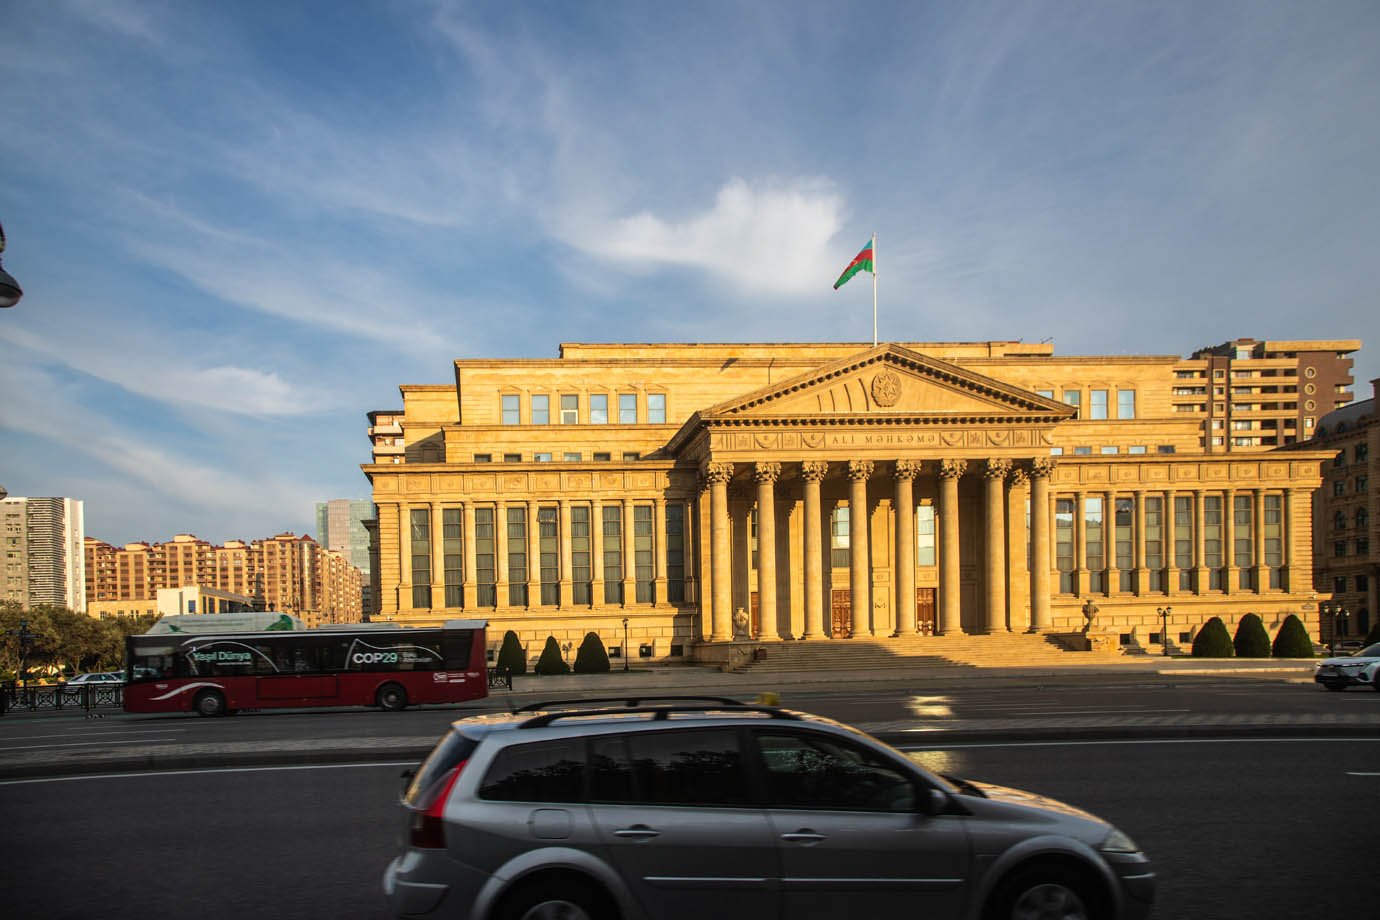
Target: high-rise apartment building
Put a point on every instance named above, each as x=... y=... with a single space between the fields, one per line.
x=340 y=528
x=43 y=562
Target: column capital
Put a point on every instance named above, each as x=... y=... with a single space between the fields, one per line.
x=860 y=470
x=908 y=469
x=718 y=472
x=1019 y=477
x=766 y=471
x=813 y=470
x=997 y=468
x=952 y=469
x=1042 y=467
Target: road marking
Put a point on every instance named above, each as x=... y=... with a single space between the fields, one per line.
x=145 y=731
x=309 y=766
x=937 y=746
x=42 y=747
x=1351 y=773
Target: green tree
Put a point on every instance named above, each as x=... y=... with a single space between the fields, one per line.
x=551 y=661
x=511 y=656
x=1213 y=640
x=1374 y=635
x=592 y=658
x=1251 y=640
x=1293 y=640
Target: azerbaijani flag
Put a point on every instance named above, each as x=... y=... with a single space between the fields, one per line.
x=862 y=262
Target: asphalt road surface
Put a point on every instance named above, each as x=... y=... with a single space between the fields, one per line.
x=1254 y=828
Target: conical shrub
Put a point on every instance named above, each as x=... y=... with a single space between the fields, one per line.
x=592 y=658
x=1213 y=640
x=511 y=657
x=1373 y=636
x=1251 y=641
x=551 y=661
x=1293 y=640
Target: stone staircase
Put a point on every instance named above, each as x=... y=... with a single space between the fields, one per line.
x=918 y=653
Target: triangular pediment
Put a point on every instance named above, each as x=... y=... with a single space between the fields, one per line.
x=890 y=381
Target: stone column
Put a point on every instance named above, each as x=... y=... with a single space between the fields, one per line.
x=950 y=574
x=470 y=587
x=860 y=581
x=906 y=471
x=1017 y=552
x=1141 y=578
x=438 y=560
x=566 y=589
x=1260 y=572
x=1199 y=543
x=994 y=505
x=629 y=558
x=1171 y=558
x=596 y=552
x=533 y=556
x=1041 y=564
x=1286 y=543
x=1080 y=543
x=812 y=472
x=765 y=474
x=501 y=553
x=659 y=550
x=1228 y=541
x=404 y=556
x=720 y=570
x=1111 y=571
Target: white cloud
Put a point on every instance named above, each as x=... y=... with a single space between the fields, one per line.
x=769 y=236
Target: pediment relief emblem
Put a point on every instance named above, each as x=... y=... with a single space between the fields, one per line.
x=886 y=389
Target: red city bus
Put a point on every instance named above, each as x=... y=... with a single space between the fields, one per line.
x=388 y=667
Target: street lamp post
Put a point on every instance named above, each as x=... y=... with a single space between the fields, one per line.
x=625 y=644
x=26 y=641
x=1339 y=616
x=1165 y=613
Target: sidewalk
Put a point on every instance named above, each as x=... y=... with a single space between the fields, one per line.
x=786 y=688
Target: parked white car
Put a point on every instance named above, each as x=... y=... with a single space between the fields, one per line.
x=1361 y=668
x=105 y=679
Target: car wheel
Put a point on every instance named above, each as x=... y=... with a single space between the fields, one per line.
x=1046 y=892
x=557 y=899
x=392 y=698
x=209 y=703
x=1375 y=680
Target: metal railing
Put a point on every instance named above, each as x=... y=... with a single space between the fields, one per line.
x=38 y=697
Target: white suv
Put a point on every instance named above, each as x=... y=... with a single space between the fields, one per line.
x=1361 y=667
x=689 y=808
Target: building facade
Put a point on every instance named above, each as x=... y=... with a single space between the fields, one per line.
x=340 y=528
x=829 y=491
x=1347 y=519
x=43 y=562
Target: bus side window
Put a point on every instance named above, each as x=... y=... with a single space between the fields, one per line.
x=456 y=648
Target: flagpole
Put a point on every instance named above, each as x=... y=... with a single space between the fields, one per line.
x=874 y=289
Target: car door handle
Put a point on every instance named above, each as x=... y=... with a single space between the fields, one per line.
x=804 y=835
x=637 y=832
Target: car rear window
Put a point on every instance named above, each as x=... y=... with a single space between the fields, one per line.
x=451 y=751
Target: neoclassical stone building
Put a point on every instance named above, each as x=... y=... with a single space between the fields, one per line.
x=657 y=493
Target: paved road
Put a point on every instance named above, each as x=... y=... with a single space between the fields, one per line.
x=1240 y=828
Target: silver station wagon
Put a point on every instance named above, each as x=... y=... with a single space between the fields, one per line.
x=687 y=808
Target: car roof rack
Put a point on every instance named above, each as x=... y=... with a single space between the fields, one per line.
x=627 y=701
x=658 y=713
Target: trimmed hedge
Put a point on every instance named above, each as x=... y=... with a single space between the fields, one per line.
x=592 y=658
x=511 y=657
x=1373 y=636
x=1213 y=641
x=1293 y=640
x=1251 y=640
x=551 y=661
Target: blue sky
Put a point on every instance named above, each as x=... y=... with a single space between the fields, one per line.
x=240 y=226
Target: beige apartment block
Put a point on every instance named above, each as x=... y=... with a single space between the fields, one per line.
x=825 y=492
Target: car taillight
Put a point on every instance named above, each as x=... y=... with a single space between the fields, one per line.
x=428 y=829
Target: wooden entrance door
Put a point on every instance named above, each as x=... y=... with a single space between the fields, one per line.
x=755 y=614
x=843 y=613
x=924 y=611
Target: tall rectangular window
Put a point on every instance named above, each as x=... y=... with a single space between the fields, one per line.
x=1154 y=541
x=549 y=548
x=627 y=408
x=924 y=535
x=613 y=554
x=1183 y=541
x=1125 y=403
x=485 y=571
x=1274 y=539
x=421 y=557
x=1063 y=545
x=1125 y=543
x=838 y=537
x=512 y=410
x=517 y=556
x=1095 y=554
x=675 y=553
x=570 y=409
x=1212 y=540
x=541 y=410
x=1097 y=402
x=599 y=409
x=580 y=569
x=1074 y=398
x=644 y=559
x=656 y=408
x=1243 y=548
x=453 y=553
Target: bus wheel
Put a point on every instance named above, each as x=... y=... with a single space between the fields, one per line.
x=209 y=703
x=392 y=698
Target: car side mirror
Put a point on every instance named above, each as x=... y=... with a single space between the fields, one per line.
x=406 y=776
x=934 y=801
